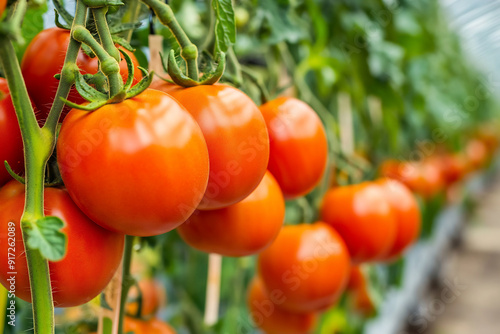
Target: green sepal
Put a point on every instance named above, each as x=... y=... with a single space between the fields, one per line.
x=58 y=23
x=214 y=77
x=87 y=107
x=88 y=92
x=18 y=178
x=102 y=3
x=130 y=69
x=141 y=85
x=46 y=236
x=176 y=74
x=117 y=29
x=98 y=80
x=208 y=79
x=61 y=10
x=122 y=42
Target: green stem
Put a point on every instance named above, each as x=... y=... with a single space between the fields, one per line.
x=67 y=76
x=115 y=81
x=264 y=92
x=133 y=13
x=207 y=43
x=109 y=65
x=189 y=51
x=236 y=65
x=38 y=145
x=127 y=279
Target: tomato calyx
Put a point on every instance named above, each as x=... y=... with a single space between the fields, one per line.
x=172 y=68
x=98 y=96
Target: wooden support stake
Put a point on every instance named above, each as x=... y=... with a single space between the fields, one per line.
x=213 y=289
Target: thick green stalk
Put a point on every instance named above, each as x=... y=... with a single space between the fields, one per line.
x=134 y=7
x=189 y=51
x=109 y=65
x=67 y=76
x=115 y=81
x=127 y=279
x=38 y=146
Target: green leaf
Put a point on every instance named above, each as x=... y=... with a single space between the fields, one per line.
x=47 y=237
x=32 y=25
x=225 y=27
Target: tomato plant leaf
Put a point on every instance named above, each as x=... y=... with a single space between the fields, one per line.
x=32 y=25
x=225 y=27
x=46 y=236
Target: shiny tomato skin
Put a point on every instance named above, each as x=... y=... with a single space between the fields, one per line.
x=92 y=257
x=242 y=229
x=407 y=212
x=237 y=141
x=11 y=143
x=139 y=167
x=153 y=326
x=266 y=313
x=44 y=58
x=309 y=263
x=298 y=145
x=364 y=218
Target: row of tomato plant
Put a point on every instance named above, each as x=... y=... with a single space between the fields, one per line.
x=293 y=121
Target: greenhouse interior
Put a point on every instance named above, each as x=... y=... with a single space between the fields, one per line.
x=249 y=166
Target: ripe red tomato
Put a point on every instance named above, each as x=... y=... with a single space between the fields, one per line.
x=308 y=265
x=407 y=211
x=44 y=58
x=477 y=153
x=3 y=4
x=237 y=141
x=241 y=229
x=152 y=296
x=153 y=326
x=266 y=313
x=139 y=167
x=11 y=147
x=453 y=167
x=422 y=177
x=92 y=257
x=363 y=216
x=298 y=145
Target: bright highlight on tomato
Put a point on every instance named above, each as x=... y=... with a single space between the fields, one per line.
x=241 y=229
x=138 y=167
x=237 y=141
x=44 y=58
x=92 y=257
x=308 y=264
x=11 y=143
x=363 y=216
x=298 y=145
x=266 y=314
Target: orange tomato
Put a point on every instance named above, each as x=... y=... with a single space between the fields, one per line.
x=298 y=145
x=3 y=4
x=308 y=265
x=241 y=229
x=237 y=141
x=152 y=296
x=424 y=178
x=407 y=211
x=153 y=326
x=266 y=313
x=364 y=217
x=477 y=153
x=453 y=167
